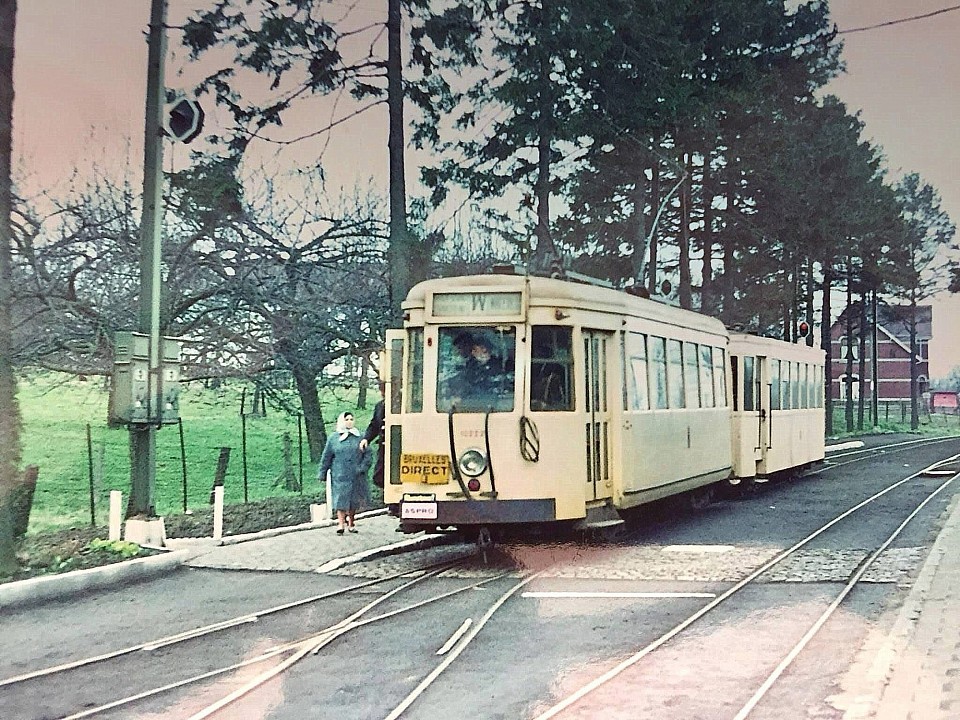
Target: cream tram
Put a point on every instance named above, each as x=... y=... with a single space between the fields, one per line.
x=523 y=400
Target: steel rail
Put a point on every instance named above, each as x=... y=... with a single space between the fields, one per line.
x=310 y=643
x=214 y=627
x=831 y=609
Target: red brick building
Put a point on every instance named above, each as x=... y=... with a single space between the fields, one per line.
x=893 y=352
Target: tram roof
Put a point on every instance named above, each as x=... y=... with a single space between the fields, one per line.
x=564 y=293
x=745 y=343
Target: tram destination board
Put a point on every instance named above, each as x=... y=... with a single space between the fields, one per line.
x=489 y=305
x=430 y=468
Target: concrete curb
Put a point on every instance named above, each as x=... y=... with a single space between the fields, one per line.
x=273 y=532
x=50 y=587
x=385 y=551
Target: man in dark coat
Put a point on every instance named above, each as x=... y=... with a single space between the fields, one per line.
x=375 y=431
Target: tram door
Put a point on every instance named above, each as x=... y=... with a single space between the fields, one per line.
x=596 y=345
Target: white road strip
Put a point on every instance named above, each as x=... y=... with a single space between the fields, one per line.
x=844 y=446
x=657 y=595
x=455 y=637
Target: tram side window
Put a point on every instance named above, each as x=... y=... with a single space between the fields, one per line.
x=735 y=375
x=785 y=386
x=706 y=376
x=475 y=369
x=691 y=375
x=748 y=404
x=658 y=373
x=551 y=368
x=795 y=387
x=719 y=377
x=804 y=386
x=415 y=371
x=637 y=352
x=675 y=393
x=774 y=384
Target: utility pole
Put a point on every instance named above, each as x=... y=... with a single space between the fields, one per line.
x=143 y=436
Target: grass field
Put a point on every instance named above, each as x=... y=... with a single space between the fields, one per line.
x=57 y=409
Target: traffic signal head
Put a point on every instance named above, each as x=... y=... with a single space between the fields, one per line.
x=183 y=119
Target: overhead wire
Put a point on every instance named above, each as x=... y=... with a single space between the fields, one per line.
x=912 y=18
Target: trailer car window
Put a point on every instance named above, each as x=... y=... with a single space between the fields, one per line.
x=551 y=368
x=691 y=375
x=675 y=374
x=719 y=377
x=795 y=386
x=658 y=373
x=804 y=386
x=706 y=376
x=785 y=386
x=774 y=384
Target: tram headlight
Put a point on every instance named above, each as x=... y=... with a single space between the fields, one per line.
x=472 y=463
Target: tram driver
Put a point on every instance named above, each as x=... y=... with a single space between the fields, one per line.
x=481 y=379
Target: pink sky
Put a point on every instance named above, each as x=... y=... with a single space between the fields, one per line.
x=81 y=64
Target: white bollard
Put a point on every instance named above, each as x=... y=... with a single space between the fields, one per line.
x=116 y=501
x=218 y=512
x=329 y=499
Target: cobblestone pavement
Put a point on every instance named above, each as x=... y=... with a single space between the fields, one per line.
x=319 y=549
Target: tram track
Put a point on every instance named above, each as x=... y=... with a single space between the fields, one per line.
x=63 y=673
x=868 y=453
x=469 y=631
x=933 y=470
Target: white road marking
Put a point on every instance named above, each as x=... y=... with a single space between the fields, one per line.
x=615 y=595
x=844 y=446
x=455 y=637
x=699 y=548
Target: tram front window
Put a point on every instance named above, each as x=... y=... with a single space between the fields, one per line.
x=475 y=369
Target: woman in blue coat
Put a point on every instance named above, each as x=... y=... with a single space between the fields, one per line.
x=347 y=465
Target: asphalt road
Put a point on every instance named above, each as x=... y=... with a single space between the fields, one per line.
x=536 y=649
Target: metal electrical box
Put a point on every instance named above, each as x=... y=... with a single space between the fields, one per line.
x=133 y=397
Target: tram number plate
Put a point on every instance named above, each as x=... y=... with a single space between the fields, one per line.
x=429 y=468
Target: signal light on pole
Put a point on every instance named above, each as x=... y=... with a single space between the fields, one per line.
x=803 y=329
x=182 y=118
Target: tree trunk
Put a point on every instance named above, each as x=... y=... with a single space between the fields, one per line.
x=808 y=300
x=827 y=345
x=639 y=255
x=874 y=375
x=848 y=381
x=402 y=252
x=914 y=370
x=684 y=292
x=312 y=414
x=726 y=291
x=9 y=409
x=862 y=359
x=706 y=289
x=654 y=242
